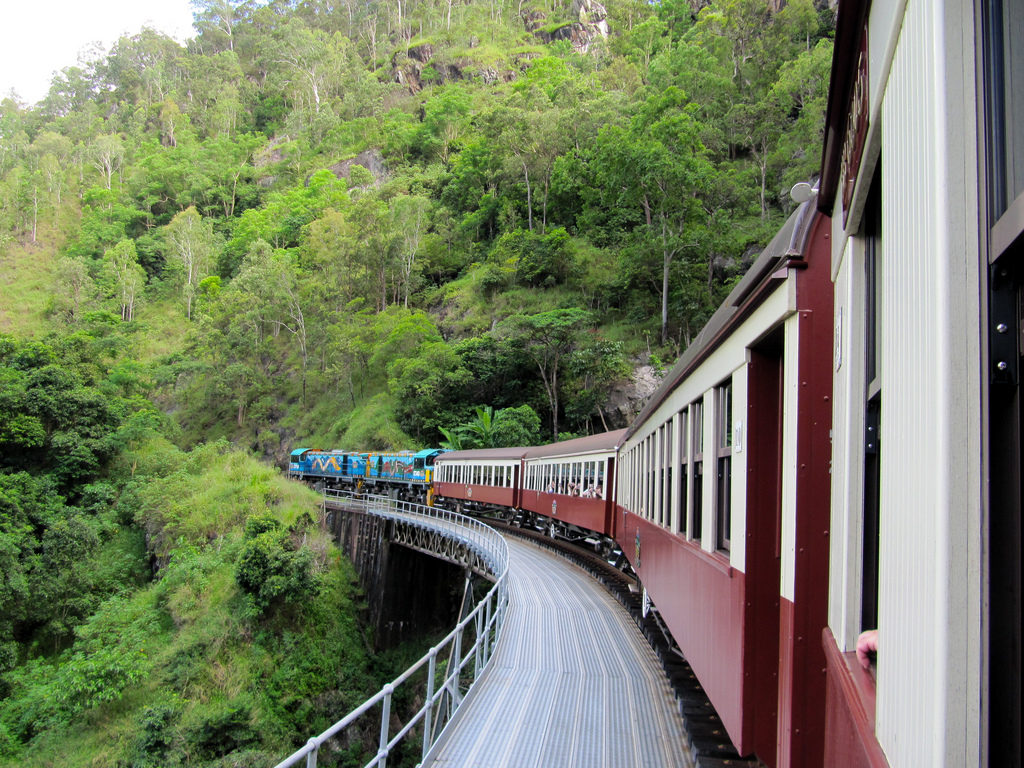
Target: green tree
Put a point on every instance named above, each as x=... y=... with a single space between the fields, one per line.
x=517 y=426
x=445 y=120
x=108 y=155
x=127 y=277
x=658 y=169
x=409 y=217
x=547 y=338
x=192 y=245
x=271 y=571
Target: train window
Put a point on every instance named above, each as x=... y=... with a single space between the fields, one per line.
x=872 y=230
x=649 y=479
x=697 y=492
x=660 y=443
x=628 y=474
x=669 y=488
x=681 y=497
x=638 y=476
x=723 y=495
x=648 y=476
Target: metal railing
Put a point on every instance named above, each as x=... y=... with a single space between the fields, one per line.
x=446 y=683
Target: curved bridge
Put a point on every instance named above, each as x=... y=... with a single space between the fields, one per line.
x=572 y=682
x=450 y=669
x=454 y=538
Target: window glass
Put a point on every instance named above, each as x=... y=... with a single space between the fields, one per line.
x=872 y=232
x=1004 y=64
x=697 y=492
x=683 y=471
x=723 y=494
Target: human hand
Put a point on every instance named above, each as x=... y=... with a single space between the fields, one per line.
x=867 y=644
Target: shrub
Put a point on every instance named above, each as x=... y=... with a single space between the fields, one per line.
x=271 y=571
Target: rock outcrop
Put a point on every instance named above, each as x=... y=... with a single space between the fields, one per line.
x=370 y=159
x=628 y=397
x=591 y=23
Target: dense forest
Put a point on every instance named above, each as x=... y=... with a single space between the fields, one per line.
x=336 y=224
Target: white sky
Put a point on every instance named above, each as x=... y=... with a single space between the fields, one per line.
x=41 y=37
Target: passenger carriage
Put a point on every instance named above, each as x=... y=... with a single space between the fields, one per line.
x=573 y=482
x=923 y=175
x=474 y=478
x=723 y=492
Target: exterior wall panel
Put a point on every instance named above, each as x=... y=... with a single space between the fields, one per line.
x=926 y=711
x=791 y=397
x=847 y=448
x=740 y=453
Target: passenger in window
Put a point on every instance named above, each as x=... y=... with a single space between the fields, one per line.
x=867 y=647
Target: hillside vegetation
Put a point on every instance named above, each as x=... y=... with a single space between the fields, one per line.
x=354 y=226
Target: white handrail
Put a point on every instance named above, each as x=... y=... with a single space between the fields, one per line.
x=487 y=618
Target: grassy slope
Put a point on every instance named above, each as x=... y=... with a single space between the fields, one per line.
x=26 y=284
x=203 y=657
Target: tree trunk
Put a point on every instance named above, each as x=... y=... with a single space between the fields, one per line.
x=529 y=196
x=666 y=263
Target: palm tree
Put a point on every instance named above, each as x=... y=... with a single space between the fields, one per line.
x=452 y=438
x=482 y=430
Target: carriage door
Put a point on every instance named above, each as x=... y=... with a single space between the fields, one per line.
x=1002 y=64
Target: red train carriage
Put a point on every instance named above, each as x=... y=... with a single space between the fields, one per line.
x=723 y=498
x=489 y=476
x=572 y=482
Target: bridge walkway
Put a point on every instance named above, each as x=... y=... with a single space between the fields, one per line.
x=572 y=683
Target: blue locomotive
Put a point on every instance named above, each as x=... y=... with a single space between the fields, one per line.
x=403 y=474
